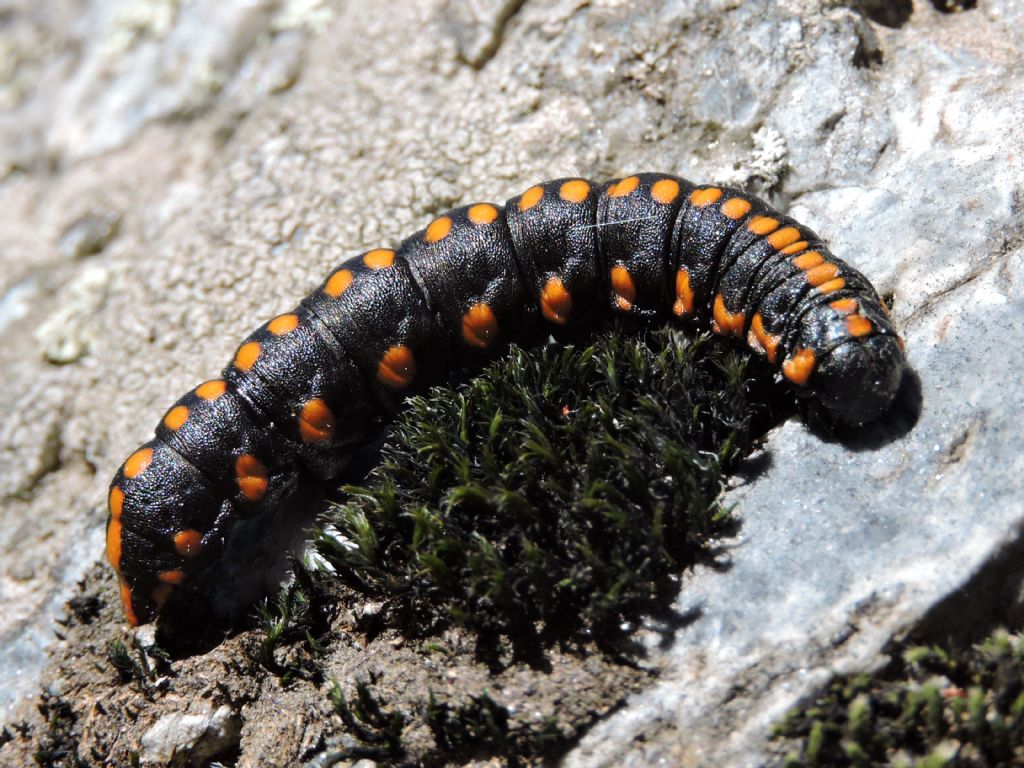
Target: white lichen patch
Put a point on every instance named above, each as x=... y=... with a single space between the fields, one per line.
x=63 y=337
x=134 y=21
x=312 y=15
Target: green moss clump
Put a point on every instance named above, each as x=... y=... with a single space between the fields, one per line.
x=378 y=732
x=931 y=707
x=555 y=496
x=293 y=624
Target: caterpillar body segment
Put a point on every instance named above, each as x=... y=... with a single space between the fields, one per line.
x=556 y=224
x=636 y=215
x=312 y=384
x=465 y=263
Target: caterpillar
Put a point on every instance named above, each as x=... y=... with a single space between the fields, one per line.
x=310 y=385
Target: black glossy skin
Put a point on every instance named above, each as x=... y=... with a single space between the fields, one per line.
x=579 y=234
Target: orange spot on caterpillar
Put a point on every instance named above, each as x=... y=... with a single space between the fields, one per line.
x=316 y=422
x=574 y=191
x=555 y=302
x=799 y=366
x=762 y=225
x=176 y=417
x=211 y=390
x=789 y=250
x=622 y=285
x=438 y=229
x=171 y=577
x=759 y=339
x=126 y=602
x=379 y=258
x=283 y=324
x=821 y=274
x=160 y=594
x=115 y=502
x=705 y=197
x=531 y=197
x=247 y=355
x=479 y=326
x=397 y=368
x=735 y=208
x=783 y=237
x=808 y=260
x=251 y=476
x=684 y=294
x=624 y=187
x=725 y=322
x=482 y=213
x=665 y=191
x=846 y=306
x=831 y=286
x=338 y=283
x=138 y=462
x=187 y=543
x=858 y=325
x=114 y=543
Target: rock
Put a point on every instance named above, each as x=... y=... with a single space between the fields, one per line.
x=477 y=27
x=64 y=336
x=89 y=234
x=194 y=738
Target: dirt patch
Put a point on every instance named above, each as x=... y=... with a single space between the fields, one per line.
x=111 y=697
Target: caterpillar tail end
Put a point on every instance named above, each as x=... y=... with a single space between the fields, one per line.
x=139 y=607
x=145 y=577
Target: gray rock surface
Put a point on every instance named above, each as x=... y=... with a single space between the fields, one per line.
x=190 y=738
x=245 y=147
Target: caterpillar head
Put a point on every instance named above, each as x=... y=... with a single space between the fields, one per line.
x=857 y=381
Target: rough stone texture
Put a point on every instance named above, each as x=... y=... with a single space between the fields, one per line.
x=201 y=735
x=159 y=87
x=243 y=148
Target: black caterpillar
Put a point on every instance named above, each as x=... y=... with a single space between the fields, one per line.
x=309 y=386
